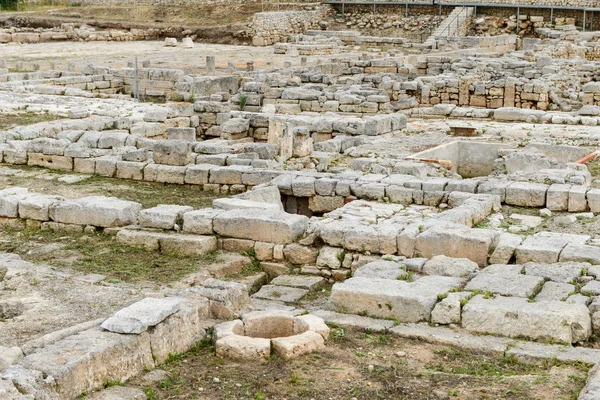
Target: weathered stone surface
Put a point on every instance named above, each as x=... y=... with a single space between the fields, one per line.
x=541 y=353
x=560 y=272
x=187 y=245
x=180 y=331
x=226 y=299
x=555 y=291
x=505 y=248
x=544 y=247
x=36 y=206
x=200 y=222
x=330 y=257
x=448 y=310
x=516 y=317
x=260 y=225
x=506 y=280
x=449 y=337
x=244 y=348
x=526 y=194
x=385 y=298
x=163 y=216
x=456 y=241
x=298 y=254
x=311 y=283
x=447 y=266
x=87 y=360
x=382 y=269
x=591 y=391
x=100 y=211
x=280 y=293
x=9 y=201
x=297 y=345
x=139 y=316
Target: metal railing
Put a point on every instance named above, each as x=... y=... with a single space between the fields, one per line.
x=457 y=19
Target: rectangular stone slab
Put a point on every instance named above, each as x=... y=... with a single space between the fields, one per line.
x=280 y=293
x=299 y=281
x=260 y=225
x=517 y=317
x=100 y=211
x=386 y=298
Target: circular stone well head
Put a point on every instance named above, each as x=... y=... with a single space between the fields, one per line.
x=260 y=333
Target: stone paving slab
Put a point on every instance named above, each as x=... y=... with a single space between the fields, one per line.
x=280 y=293
x=311 y=283
x=386 y=298
x=538 y=353
x=518 y=317
x=448 y=337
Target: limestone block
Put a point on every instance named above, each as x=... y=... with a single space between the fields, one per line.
x=9 y=201
x=382 y=269
x=200 y=222
x=526 y=194
x=298 y=254
x=170 y=174
x=456 y=241
x=244 y=348
x=516 y=317
x=197 y=174
x=446 y=266
x=542 y=247
x=297 y=345
x=87 y=360
x=505 y=248
x=557 y=197
x=506 y=280
x=163 y=216
x=100 y=211
x=138 y=317
x=386 y=298
x=187 y=245
x=180 y=331
x=36 y=206
x=172 y=152
x=260 y=225
x=130 y=170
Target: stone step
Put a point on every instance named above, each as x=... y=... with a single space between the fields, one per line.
x=555 y=321
x=386 y=298
x=355 y=321
x=309 y=282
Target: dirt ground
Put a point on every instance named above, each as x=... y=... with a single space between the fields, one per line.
x=359 y=365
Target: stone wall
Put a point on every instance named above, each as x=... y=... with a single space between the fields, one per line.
x=272 y=27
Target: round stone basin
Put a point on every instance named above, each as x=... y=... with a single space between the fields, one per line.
x=259 y=334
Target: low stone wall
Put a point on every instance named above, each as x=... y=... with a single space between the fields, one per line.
x=272 y=27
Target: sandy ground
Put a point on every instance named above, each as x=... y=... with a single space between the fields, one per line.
x=118 y=54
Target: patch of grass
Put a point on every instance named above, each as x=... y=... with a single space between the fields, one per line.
x=8 y=121
x=459 y=362
x=150 y=194
x=102 y=254
x=113 y=382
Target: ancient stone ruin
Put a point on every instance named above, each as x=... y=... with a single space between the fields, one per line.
x=432 y=177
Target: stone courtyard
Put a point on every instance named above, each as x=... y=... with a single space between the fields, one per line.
x=166 y=202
